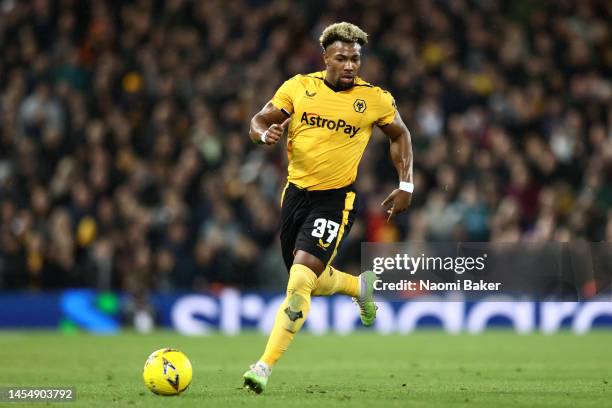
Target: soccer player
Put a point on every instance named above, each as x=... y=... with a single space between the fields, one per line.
x=329 y=116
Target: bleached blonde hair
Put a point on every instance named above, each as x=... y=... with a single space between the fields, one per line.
x=343 y=31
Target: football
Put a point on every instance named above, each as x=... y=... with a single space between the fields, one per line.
x=167 y=372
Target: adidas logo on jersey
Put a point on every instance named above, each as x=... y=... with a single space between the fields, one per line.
x=340 y=125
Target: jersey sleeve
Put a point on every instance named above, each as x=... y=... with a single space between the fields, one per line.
x=283 y=98
x=387 y=109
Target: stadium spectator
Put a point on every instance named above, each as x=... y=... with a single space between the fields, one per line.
x=125 y=161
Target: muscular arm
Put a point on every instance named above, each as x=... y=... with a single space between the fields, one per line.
x=401 y=155
x=401 y=147
x=270 y=119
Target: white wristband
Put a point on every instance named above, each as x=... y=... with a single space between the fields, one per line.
x=406 y=186
x=263 y=137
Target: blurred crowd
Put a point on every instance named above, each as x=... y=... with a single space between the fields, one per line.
x=125 y=161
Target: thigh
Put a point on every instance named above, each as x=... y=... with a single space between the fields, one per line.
x=328 y=222
x=294 y=210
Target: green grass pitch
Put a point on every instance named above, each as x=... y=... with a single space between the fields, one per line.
x=426 y=369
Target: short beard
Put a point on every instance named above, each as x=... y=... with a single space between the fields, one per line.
x=343 y=86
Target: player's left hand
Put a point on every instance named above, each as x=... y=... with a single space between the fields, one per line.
x=400 y=200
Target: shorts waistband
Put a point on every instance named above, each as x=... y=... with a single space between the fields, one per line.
x=317 y=193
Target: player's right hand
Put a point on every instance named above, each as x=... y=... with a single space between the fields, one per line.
x=275 y=132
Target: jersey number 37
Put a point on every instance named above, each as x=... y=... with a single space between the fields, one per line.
x=321 y=224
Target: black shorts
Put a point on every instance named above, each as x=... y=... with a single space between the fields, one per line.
x=315 y=221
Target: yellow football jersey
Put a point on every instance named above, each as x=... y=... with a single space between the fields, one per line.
x=329 y=130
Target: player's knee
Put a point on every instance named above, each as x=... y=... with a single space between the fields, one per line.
x=310 y=261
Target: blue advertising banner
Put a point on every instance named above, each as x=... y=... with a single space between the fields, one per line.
x=231 y=311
